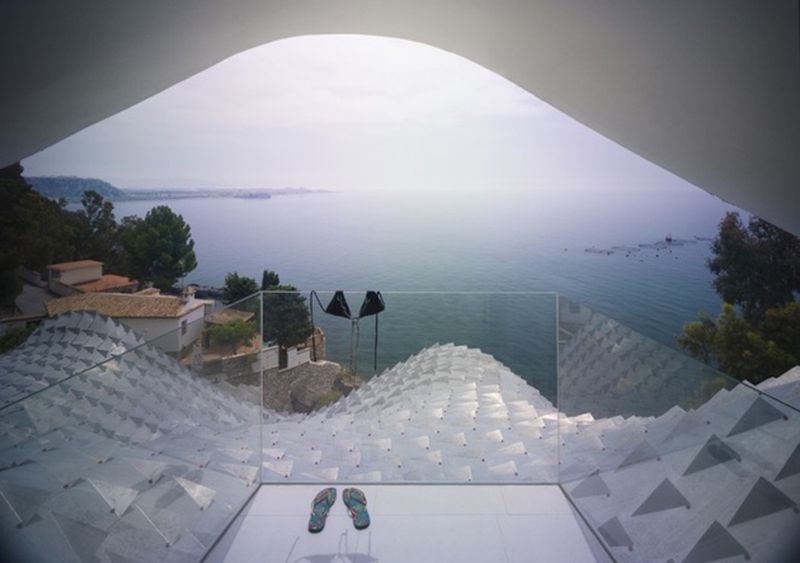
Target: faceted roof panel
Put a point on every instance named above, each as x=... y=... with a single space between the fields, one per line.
x=133 y=459
x=139 y=459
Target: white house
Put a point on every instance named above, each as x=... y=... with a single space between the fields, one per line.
x=85 y=276
x=176 y=321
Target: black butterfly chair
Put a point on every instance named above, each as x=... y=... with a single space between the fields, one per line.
x=372 y=305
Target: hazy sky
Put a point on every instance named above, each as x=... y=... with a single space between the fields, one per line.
x=346 y=112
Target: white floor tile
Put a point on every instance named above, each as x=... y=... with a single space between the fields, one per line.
x=410 y=523
x=296 y=499
x=554 y=538
x=542 y=499
x=422 y=538
x=435 y=499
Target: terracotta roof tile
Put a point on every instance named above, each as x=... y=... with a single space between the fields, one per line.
x=108 y=281
x=76 y=265
x=123 y=305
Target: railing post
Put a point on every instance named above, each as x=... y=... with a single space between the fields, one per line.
x=261 y=387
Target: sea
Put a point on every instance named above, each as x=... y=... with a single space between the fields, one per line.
x=475 y=268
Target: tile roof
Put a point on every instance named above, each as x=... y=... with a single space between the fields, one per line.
x=76 y=265
x=105 y=283
x=123 y=305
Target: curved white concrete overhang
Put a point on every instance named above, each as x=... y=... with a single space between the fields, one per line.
x=708 y=90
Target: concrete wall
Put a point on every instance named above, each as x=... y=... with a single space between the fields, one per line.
x=297 y=356
x=270 y=357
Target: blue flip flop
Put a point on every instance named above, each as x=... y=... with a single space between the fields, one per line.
x=357 y=506
x=319 y=509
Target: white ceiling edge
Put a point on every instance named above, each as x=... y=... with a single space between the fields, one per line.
x=709 y=91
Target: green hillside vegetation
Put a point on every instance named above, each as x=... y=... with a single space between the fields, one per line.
x=756 y=269
x=72 y=188
x=37 y=231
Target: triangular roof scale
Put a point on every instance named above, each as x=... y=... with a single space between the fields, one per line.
x=615 y=535
x=664 y=497
x=643 y=452
x=716 y=543
x=23 y=501
x=591 y=486
x=117 y=497
x=200 y=494
x=83 y=538
x=763 y=499
x=713 y=452
x=759 y=413
x=792 y=465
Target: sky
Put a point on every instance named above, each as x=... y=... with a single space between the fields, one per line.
x=347 y=112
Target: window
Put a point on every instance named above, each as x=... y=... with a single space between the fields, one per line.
x=183 y=326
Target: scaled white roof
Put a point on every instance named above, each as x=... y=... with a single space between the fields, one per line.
x=116 y=462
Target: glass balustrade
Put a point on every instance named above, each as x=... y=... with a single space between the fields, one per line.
x=437 y=387
x=113 y=447
x=120 y=441
x=666 y=458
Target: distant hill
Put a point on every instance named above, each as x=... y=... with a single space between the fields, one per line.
x=72 y=188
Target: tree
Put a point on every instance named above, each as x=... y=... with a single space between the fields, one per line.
x=15 y=337
x=756 y=267
x=269 y=280
x=745 y=350
x=35 y=232
x=233 y=333
x=160 y=247
x=101 y=232
x=286 y=319
x=122 y=261
x=238 y=287
x=698 y=337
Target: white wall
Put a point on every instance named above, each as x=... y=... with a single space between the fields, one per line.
x=270 y=357
x=175 y=340
x=152 y=328
x=79 y=275
x=194 y=327
x=297 y=357
x=61 y=289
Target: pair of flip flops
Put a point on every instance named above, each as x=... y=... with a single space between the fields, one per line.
x=354 y=499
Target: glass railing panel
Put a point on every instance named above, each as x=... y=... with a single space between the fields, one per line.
x=146 y=455
x=667 y=458
x=460 y=388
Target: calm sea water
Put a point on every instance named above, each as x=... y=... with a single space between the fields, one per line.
x=470 y=241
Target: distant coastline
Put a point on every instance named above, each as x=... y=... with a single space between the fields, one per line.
x=72 y=188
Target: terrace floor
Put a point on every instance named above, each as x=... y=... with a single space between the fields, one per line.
x=484 y=523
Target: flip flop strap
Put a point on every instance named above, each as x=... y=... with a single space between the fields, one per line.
x=322 y=503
